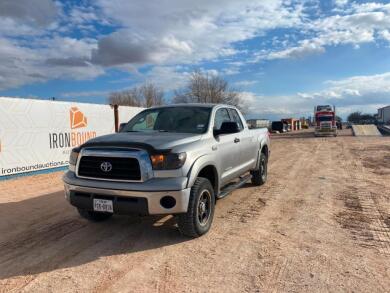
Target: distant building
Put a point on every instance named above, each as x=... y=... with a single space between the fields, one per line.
x=384 y=115
x=294 y=124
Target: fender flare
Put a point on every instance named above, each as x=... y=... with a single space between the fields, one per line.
x=262 y=145
x=197 y=166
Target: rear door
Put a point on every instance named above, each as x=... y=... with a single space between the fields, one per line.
x=226 y=146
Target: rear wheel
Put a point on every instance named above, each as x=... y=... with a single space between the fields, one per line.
x=259 y=176
x=197 y=221
x=94 y=216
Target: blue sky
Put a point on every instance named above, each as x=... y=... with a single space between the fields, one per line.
x=283 y=56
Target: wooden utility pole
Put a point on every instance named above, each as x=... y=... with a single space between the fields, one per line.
x=116 y=117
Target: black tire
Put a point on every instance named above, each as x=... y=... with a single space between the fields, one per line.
x=259 y=176
x=197 y=221
x=94 y=216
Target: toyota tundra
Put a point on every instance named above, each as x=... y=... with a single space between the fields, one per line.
x=176 y=159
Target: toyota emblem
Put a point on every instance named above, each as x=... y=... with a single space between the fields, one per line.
x=106 y=166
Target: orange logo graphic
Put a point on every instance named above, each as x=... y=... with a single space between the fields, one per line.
x=77 y=118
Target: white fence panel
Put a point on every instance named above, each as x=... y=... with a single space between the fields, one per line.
x=37 y=134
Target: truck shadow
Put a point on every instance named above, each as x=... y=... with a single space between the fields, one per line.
x=45 y=233
x=289 y=135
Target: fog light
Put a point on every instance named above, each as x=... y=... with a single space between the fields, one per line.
x=167 y=202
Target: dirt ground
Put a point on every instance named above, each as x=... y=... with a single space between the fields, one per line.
x=321 y=223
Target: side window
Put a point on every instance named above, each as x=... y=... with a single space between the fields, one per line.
x=221 y=116
x=236 y=118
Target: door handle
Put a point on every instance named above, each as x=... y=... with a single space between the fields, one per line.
x=236 y=140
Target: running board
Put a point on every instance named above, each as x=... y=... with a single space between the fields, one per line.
x=231 y=187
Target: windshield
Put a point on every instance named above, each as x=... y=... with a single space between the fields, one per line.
x=324 y=108
x=170 y=119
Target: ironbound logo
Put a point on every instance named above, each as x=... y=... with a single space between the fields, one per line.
x=74 y=138
x=77 y=118
x=106 y=166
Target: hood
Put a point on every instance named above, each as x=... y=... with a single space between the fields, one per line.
x=156 y=140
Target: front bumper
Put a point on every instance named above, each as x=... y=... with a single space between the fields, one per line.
x=325 y=131
x=81 y=192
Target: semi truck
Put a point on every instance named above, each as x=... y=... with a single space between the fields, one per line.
x=176 y=159
x=325 y=120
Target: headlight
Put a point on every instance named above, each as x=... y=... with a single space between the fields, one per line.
x=73 y=157
x=168 y=161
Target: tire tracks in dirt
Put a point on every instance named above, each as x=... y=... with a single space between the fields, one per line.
x=234 y=213
x=363 y=214
x=267 y=238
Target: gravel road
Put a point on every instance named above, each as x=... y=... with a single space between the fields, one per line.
x=321 y=223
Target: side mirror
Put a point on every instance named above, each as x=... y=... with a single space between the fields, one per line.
x=121 y=126
x=227 y=128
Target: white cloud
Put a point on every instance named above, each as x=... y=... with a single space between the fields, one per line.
x=304 y=49
x=357 y=24
x=245 y=83
x=85 y=94
x=172 y=32
x=168 y=77
x=385 y=34
x=83 y=15
x=33 y=48
x=42 y=13
x=12 y=65
x=276 y=107
x=357 y=93
x=377 y=84
x=126 y=35
x=340 y=3
x=357 y=7
x=231 y=70
x=56 y=58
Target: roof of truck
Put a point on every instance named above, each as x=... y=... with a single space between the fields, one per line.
x=203 y=105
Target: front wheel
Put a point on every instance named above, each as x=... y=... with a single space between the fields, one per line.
x=197 y=221
x=259 y=176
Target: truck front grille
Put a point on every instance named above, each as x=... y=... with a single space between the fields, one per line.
x=110 y=168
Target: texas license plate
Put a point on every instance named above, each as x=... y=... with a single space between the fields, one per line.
x=102 y=205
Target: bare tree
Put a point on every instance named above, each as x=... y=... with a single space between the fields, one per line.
x=205 y=88
x=146 y=95
x=151 y=95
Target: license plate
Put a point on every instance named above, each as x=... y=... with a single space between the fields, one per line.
x=102 y=205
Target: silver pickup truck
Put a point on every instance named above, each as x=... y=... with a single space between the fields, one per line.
x=176 y=159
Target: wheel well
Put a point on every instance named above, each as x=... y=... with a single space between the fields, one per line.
x=264 y=150
x=211 y=174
